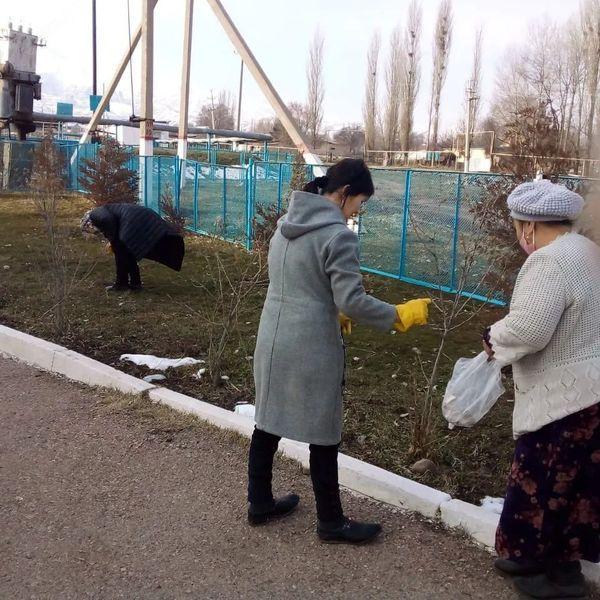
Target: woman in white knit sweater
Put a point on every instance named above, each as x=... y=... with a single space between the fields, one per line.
x=551 y=337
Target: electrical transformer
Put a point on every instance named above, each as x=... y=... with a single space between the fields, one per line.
x=19 y=83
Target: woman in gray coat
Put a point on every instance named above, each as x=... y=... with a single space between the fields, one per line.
x=299 y=366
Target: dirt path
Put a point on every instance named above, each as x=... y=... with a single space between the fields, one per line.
x=97 y=504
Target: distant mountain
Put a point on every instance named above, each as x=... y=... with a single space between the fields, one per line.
x=166 y=108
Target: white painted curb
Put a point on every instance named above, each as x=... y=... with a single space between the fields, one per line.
x=388 y=487
x=480 y=524
x=354 y=474
x=56 y=359
x=215 y=415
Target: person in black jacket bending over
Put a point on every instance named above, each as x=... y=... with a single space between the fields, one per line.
x=135 y=232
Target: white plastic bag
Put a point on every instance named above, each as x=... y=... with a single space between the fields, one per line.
x=475 y=387
x=245 y=409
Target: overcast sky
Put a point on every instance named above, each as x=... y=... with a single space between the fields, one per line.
x=279 y=33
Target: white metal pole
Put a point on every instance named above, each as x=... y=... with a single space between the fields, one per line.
x=239 y=111
x=147 y=117
x=184 y=100
x=468 y=129
x=146 y=150
x=266 y=86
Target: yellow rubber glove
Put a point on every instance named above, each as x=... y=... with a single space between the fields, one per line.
x=413 y=312
x=345 y=324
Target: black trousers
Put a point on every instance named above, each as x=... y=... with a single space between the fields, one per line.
x=128 y=271
x=323 y=472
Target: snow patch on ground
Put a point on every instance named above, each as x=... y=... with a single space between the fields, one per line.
x=493 y=505
x=246 y=410
x=160 y=364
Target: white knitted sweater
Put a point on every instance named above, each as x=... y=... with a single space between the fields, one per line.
x=551 y=335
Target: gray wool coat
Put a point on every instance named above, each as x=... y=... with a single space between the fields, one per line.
x=299 y=359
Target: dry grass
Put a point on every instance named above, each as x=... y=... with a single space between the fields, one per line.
x=379 y=407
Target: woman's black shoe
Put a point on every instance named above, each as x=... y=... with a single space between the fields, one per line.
x=259 y=515
x=347 y=532
x=560 y=581
x=518 y=569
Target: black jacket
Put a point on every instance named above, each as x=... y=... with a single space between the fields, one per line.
x=141 y=231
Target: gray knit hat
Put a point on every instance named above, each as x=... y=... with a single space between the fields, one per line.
x=544 y=201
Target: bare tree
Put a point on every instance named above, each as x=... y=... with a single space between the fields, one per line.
x=351 y=136
x=170 y=212
x=316 y=89
x=230 y=281
x=218 y=112
x=476 y=80
x=575 y=82
x=61 y=266
x=299 y=113
x=370 y=102
x=549 y=78
x=470 y=277
x=393 y=89
x=412 y=72
x=512 y=91
x=590 y=18
x=441 y=51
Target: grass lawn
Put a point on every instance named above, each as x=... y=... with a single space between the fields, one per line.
x=165 y=320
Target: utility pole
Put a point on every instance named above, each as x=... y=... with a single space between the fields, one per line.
x=94 y=63
x=212 y=110
x=147 y=117
x=239 y=115
x=471 y=97
x=112 y=86
x=184 y=100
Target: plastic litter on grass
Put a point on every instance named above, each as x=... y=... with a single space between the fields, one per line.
x=160 y=364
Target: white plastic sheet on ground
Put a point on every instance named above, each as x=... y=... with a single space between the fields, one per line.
x=246 y=410
x=160 y=364
x=153 y=378
x=493 y=505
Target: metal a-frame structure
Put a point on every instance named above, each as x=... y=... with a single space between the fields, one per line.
x=145 y=33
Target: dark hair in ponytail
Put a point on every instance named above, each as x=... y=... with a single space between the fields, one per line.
x=352 y=172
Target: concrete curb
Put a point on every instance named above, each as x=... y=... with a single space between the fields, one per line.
x=225 y=419
x=388 y=487
x=480 y=524
x=56 y=359
x=354 y=474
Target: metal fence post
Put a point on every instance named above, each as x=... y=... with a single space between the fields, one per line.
x=196 y=198
x=178 y=175
x=405 y=217
x=159 y=159
x=76 y=173
x=456 y=232
x=224 y=202
x=143 y=174
x=279 y=184
x=249 y=206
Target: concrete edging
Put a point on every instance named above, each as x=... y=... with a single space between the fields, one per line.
x=354 y=474
x=56 y=359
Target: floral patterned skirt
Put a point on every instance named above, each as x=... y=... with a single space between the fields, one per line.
x=552 y=506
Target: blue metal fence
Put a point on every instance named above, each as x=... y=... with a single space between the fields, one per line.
x=416 y=228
